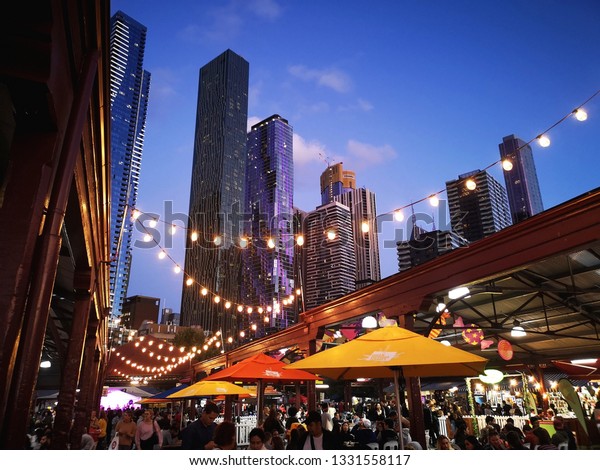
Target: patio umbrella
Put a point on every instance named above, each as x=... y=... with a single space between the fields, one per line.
x=391 y=352
x=162 y=396
x=261 y=368
x=210 y=388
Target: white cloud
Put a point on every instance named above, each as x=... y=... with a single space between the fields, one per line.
x=360 y=105
x=268 y=9
x=253 y=120
x=330 y=78
x=363 y=155
x=307 y=152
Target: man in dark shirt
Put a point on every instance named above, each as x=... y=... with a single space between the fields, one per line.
x=199 y=434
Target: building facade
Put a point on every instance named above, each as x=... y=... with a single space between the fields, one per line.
x=479 y=212
x=522 y=186
x=426 y=245
x=268 y=272
x=330 y=256
x=213 y=259
x=336 y=181
x=129 y=88
x=363 y=210
x=138 y=309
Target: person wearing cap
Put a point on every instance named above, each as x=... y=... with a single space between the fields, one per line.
x=364 y=434
x=317 y=438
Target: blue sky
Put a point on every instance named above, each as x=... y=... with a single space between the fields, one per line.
x=407 y=94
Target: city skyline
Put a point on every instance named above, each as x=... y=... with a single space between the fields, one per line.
x=435 y=107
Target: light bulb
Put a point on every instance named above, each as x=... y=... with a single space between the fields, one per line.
x=365 y=227
x=189 y=281
x=204 y=291
x=398 y=216
x=300 y=240
x=507 y=164
x=228 y=304
x=470 y=184
x=194 y=236
x=331 y=234
x=580 y=115
x=135 y=214
x=147 y=238
x=217 y=240
x=173 y=229
x=177 y=269
x=152 y=223
x=543 y=141
x=162 y=255
x=240 y=308
x=434 y=201
x=217 y=299
x=249 y=310
x=271 y=243
x=243 y=242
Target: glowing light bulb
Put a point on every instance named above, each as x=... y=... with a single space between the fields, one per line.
x=173 y=229
x=300 y=240
x=162 y=255
x=240 y=308
x=253 y=327
x=266 y=318
x=194 y=236
x=543 y=141
x=398 y=216
x=135 y=214
x=580 y=115
x=271 y=243
x=242 y=334
x=177 y=269
x=228 y=304
x=243 y=242
x=434 y=201
x=365 y=227
x=298 y=292
x=189 y=281
x=152 y=223
x=260 y=310
x=470 y=184
x=217 y=240
x=217 y=299
x=204 y=291
x=249 y=310
x=147 y=237
x=331 y=234
x=507 y=165
x=230 y=340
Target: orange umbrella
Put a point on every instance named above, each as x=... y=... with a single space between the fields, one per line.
x=209 y=389
x=261 y=368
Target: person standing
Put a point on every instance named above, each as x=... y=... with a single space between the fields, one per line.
x=199 y=434
x=148 y=433
x=126 y=430
x=317 y=438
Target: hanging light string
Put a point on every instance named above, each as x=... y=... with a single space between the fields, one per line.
x=265 y=310
x=579 y=113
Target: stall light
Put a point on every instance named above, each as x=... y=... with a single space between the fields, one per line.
x=458 y=292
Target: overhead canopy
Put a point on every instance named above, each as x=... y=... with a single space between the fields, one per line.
x=162 y=396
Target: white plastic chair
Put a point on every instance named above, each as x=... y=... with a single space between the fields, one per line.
x=391 y=445
x=373 y=445
x=563 y=446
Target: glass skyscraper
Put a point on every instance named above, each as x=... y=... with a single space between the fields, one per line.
x=217 y=193
x=522 y=186
x=479 y=212
x=268 y=277
x=129 y=88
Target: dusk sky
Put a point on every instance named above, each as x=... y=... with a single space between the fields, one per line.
x=407 y=94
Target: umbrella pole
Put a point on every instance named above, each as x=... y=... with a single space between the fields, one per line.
x=397 y=371
x=259 y=402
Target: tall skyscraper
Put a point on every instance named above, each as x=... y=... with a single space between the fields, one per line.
x=479 y=212
x=335 y=181
x=330 y=255
x=522 y=186
x=363 y=210
x=268 y=277
x=129 y=88
x=217 y=195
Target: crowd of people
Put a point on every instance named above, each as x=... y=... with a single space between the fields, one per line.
x=366 y=425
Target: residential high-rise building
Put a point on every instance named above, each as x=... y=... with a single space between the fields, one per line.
x=330 y=255
x=268 y=276
x=129 y=88
x=213 y=260
x=426 y=245
x=335 y=181
x=139 y=308
x=363 y=210
x=478 y=212
x=522 y=186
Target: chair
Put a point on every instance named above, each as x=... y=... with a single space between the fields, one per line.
x=373 y=445
x=563 y=446
x=391 y=445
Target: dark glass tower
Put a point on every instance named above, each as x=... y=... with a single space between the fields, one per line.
x=217 y=195
x=268 y=278
x=524 y=196
x=129 y=88
x=479 y=212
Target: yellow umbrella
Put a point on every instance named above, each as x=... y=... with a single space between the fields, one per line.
x=390 y=352
x=208 y=388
